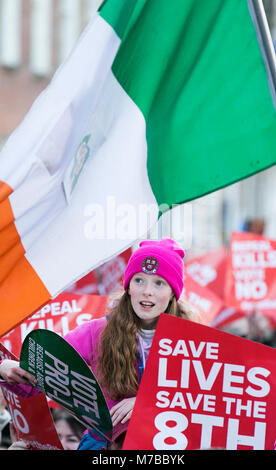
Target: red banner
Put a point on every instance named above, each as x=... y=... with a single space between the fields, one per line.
x=251 y=274
x=226 y=316
x=31 y=418
x=206 y=302
x=60 y=315
x=203 y=388
x=104 y=280
x=208 y=270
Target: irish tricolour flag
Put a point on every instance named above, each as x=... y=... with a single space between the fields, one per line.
x=160 y=102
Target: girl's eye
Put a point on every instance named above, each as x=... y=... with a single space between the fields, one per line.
x=72 y=439
x=159 y=283
x=138 y=280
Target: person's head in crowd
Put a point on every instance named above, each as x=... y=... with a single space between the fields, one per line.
x=68 y=428
x=255 y=226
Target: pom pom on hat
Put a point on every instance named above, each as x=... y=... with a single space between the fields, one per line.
x=163 y=258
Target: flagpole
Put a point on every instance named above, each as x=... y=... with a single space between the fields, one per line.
x=265 y=40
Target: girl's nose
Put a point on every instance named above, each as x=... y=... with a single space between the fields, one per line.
x=148 y=288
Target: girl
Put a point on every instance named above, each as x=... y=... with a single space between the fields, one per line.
x=116 y=347
x=69 y=430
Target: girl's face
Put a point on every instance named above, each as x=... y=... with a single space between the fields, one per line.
x=149 y=295
x=67 y=438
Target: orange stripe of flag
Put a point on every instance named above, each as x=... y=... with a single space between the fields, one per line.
x=6 y=213
x=5 y=191
x=21 y=294
x=9 y=260
x=21 y=290
x=8 y=238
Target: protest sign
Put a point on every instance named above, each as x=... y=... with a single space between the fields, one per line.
x=227 y=316
x=206 y=302
x=251 y=274
x=209 y=270
x=203 y=388
x=87 y=285
x=28 y=416
x=110 y=274
x=61 y=315
x=65 y=378
x=105 y=279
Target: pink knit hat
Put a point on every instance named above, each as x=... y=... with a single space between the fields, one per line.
x=164 y=258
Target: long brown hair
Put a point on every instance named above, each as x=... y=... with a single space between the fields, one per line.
x=118 y=346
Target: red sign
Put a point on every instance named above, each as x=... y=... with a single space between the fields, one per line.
x=105 y=279
x=206 y=302
x=110 y=274
x=28 y=416
x=226 y=316
x=61 y=315
x=208 y=270
x=87 y=285
x=203 y=388
x=251 y=274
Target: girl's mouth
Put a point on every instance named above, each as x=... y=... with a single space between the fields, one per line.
x=147 y=304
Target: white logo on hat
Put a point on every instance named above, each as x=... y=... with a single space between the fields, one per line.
x=150 y=265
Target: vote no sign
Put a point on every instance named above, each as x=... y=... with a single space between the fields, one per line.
x=203 y=388
x=64 y=376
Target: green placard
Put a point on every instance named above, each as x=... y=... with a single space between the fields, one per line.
x=65 y=377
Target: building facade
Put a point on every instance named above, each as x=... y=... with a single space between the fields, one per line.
x=35 y=37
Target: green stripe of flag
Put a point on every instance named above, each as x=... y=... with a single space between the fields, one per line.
x=195 y=70
x=119 y=14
